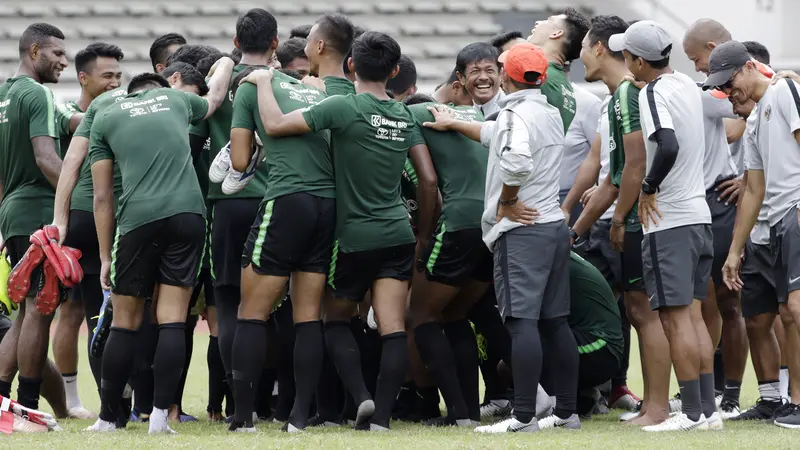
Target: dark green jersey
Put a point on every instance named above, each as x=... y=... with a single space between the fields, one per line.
x=370 y=138
x=146 y=133
x=65 y=113
x=218 y=128
x=27 y=110
x=460 y=166
x=295 y=163
x=338 y=86
x=560 y=94
x=408 y=189
x=623 y=118
x=593 y=307
x=83 y=194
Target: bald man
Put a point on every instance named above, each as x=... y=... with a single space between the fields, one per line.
x=722 y=184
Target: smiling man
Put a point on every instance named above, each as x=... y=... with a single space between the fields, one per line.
x=479 y=73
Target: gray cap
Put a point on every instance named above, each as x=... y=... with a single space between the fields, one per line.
x=646 y=39
x=724 y=61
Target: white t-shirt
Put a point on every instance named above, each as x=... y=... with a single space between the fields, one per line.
x=753 y=161
x=778 y=119
x=580 y=134
x=605 y=152
x=737 y=153
x=673 y=101
x=717 y=161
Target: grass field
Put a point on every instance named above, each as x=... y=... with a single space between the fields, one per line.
x=599 y=433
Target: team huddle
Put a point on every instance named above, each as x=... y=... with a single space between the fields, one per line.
x=360 y=248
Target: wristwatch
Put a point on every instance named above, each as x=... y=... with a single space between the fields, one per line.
x=647 y=189
x=574 y=235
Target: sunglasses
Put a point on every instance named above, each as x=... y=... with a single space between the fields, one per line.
x=729 y=83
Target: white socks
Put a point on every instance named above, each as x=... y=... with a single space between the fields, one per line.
x=71 y=389
x=784 y=378
x=159 y=422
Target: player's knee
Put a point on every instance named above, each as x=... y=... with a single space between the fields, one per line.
x=759 y=325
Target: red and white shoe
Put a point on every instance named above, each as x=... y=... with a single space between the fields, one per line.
x=623 y=398
x=19 y=280
x=31 y=415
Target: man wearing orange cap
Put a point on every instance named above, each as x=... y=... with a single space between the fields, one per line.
x=522 y=180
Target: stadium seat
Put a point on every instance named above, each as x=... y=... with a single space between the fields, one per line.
x=9 y=53
x=215 y=9
x=451 y=29
x=33 y=10
x=8 y=11
x=108 y=9
x=132 y=31
x=460 y=7
x=390 y=28
x=531 y=6
x=391 y=8
x=412 y=51
x=496 y=6
x=319 y=8
x=440 y=50
x=202 y=31
x=71 y=10
x=142 y=9
x=162 y=28
x=14 y=30
x=354 y=8
x=96 y=31
x=180 y=9
x=70 y=33
x=286 y=8
x=429 y=7
x=485 y=28
x=241 y=8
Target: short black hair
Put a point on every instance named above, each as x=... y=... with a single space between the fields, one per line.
x=389 y=93
x=337 y=31
x=603 y=27
x=406 y=77
x=236 y=55
x=205 y=64
x=375 y=55
x=190 y=54
x=758 y=51
x=158 y=50
x=256 y=30
x=300 y=31
x=358 y=31
x=415 y=99
x=475 y=52
x=452 y=78
x=499 y=40
x=189 y=75
x=660 y=64
x=290 y=50
x=38 y=33
x=577 y=26
x=238 y=79
x=87 y=56
x=292 y=73
x=147 y=80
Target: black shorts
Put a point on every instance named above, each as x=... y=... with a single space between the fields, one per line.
x=168 y=251
x=453 y=257
x=784 y=241
x=758 y=294
x=205 y=283
x=230 y=225
x=82 y=234
x=601 y=255
x=632 y=268
x=723 y=218
x=292 y=233
x=351 y=275
x=596 y=362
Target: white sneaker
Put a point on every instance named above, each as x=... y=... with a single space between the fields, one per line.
x=729 y=411
x=218 y=169
x=544 y=403
x=236 y=181
x=715 y=422
x=678 y=422
x=572 y=422
x=101 y=426
x=510 y=425
x=79 y=412
x=22 y=425
x=632 y=414
x=718 y=400
x=496 y=409
x=159 y=423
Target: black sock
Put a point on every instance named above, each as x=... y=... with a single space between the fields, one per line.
x=249 y=354
x=143 y=381
x=230 y=404
x=92 y=299
x=489 y=324
x=285 y=338
x=328 y=389
x=227 y=299
x=691 y=404
x=168 y=363
x=216 y=376
x=707 y=394
x=346 y=356
x=28 y=391
x=719 y=371
x=526 y=354
x=5 y=388
x=621 y=377
x=264 y=388
x=437 y=354
x=465 y=348
x=394 y=362
x=732 y=390
x=561 y=353
x=191 y=322
x=307 y=366
x=117 y=368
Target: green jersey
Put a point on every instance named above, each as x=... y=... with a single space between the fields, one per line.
x=27 y=110
x=146 y=133
x=559 y=93
x=460 y=165
x=338 y=86
x=294 y=163
x=623 y=118
x=65 y=113
x=593 y=307
x=218 y=128
x=370 y=138
x=83 y=194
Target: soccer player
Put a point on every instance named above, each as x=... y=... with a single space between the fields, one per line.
x=98 y=72
x=160 y=232
x=455 y=264
x=163 y=47
x=233 y=215
x=621 y=135
x=328 y=50
x=29 y=169
x=375 y=246
x=300 y=31
x=505 y=41
x=479 y=73
x=291 y=54
x=771 y=178
x=677 y=248
x=722 y=184
x=405 y=82
x=522 y=187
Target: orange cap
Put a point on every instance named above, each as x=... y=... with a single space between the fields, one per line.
x=523 y=58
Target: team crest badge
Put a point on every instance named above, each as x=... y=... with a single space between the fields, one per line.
x=768 y=112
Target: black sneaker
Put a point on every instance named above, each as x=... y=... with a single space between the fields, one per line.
x=784 y=410
x=791 y=420
x=241 y=427
x=762 y=410
x=318 y=421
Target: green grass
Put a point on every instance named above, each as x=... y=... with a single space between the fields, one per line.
x=601 y=432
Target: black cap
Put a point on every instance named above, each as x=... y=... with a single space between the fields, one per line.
x=724 y=61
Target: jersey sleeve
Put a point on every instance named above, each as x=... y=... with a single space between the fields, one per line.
x=198 y=107
x=415 y=135
x=331 y=113
x=629 y=109
x=591 y=121
x=716 y=105
x=752 y=157
x=654 y=110
x=63 y=115
x=85 y=127
x=41 y=110
x=98 y=147
x=788 y=96
x=243 y=111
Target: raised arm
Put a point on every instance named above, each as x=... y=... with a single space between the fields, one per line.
x=219 y=83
